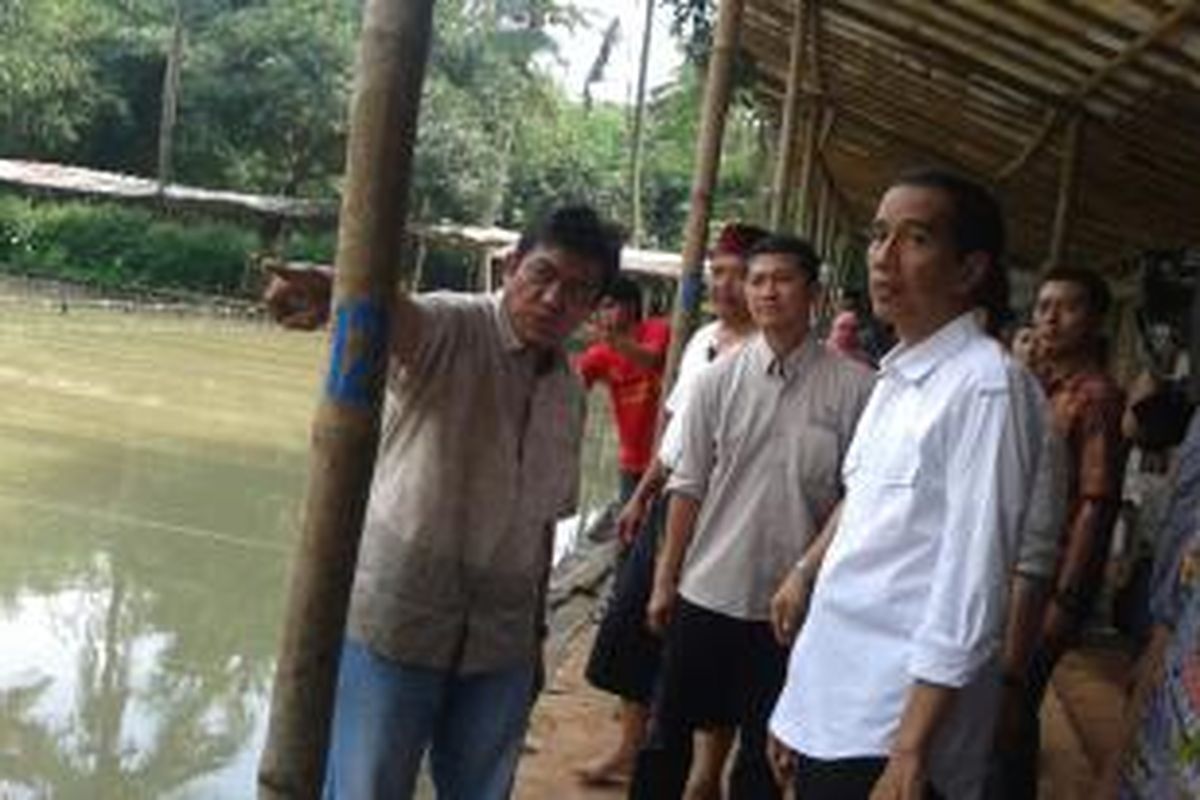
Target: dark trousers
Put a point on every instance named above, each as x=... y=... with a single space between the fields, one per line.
x=717 y=671
x=625 y=654
x=841 y=779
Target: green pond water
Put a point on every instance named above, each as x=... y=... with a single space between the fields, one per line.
x=152 y=468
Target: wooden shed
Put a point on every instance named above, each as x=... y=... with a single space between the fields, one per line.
x=1084 y=115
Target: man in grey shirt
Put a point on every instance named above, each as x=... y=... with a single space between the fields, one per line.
x=478 y=457
x=763 y=438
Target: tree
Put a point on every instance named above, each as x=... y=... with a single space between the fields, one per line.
x=674 y=115
x=573 y=155
x=264 y=97
x=49 y=88
x=481 y=91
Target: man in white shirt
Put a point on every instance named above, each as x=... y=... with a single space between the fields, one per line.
x=893 y=681
x=763 y=435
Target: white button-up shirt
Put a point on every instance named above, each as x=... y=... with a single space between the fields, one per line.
x=700 y=353
x=915 y=583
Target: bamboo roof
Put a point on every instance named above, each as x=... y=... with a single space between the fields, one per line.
x=988 y=88
x=647 y=263
x=41 y=177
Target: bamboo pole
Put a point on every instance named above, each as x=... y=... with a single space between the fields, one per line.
x=393 y=50
x=785 y=151
x=808 y=168
x=824 y=200
x=826 y=212
x=639 y=134
x=1068 y=176
x=717 y=89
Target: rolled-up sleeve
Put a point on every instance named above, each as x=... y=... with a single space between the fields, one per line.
x=986 y=487
x=1047 y=510
x=696 y=444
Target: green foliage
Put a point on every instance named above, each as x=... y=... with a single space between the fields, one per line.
x=117 y=247
x=49 y=89
x=573 y=156
x=265 y=95
x=482 y=92
x=264 y=91
x=673 y=123
x=319 y=248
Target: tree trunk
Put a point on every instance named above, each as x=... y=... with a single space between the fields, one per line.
x=170 y=100
x=637 y=222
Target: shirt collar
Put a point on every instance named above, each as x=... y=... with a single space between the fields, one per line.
x=787 y=367
x=504 y=326
x=915 y=362
x=543 y=361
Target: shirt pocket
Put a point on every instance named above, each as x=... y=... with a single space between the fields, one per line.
x=883 y=483
x=897 y=466
x=816 y=464
x=899 y=472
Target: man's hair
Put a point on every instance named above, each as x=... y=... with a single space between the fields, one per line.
x=977 y=227
x=625 y=292
x=801 y=252
x=580 y=231
x=1095 y=290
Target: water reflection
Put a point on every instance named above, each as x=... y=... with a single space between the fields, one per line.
x=151 y=469
x=142 y=552
x=130 y=715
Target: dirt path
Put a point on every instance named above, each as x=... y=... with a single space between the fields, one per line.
x=573 y=722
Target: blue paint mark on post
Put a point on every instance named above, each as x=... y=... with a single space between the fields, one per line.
x=693 y=290
x=359 y=341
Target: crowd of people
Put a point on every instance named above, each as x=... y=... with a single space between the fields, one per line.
x=852 y=568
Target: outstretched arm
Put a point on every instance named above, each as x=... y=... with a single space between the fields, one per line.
x=298 y=296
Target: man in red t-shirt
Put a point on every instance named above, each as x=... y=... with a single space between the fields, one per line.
x=628 y=355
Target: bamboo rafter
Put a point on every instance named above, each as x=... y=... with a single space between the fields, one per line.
x=984 y=86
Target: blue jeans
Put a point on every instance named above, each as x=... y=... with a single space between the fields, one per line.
x=387 y=716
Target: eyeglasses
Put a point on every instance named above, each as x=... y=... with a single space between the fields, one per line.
x=541 y=274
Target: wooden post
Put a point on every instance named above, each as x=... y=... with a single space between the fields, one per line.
x=487 y=277
x=785 y=151
x=1067 y=178
x=717 y=89
x=419 y=258
x=808 y=168
x=169 y=111
x=393 y=49
x=829 y=237
x=840 y=258
x=824 y=214
x=639 y=116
